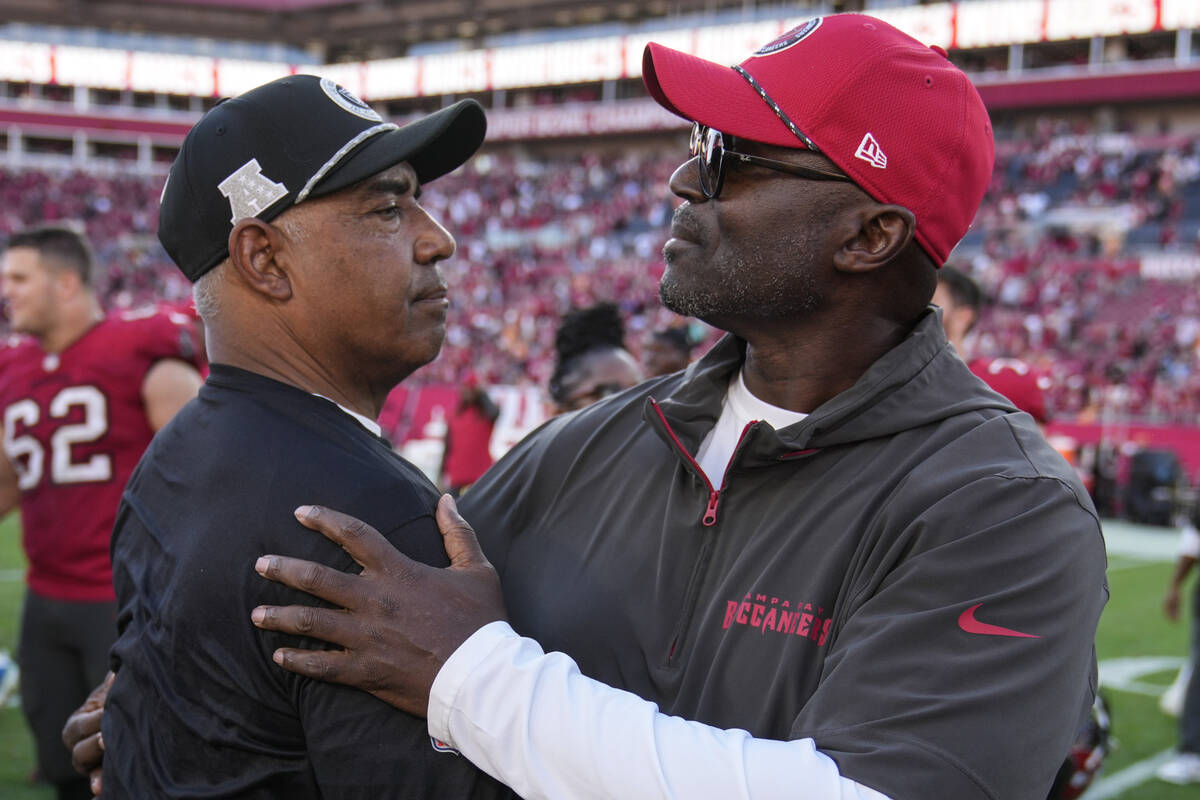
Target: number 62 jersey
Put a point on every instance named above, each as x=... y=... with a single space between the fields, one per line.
x=74 y=428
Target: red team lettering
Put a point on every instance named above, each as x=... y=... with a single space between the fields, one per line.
x=779 y=617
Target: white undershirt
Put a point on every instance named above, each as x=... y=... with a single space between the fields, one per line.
x=534 y=722
x=739 y=409
x=363 y=420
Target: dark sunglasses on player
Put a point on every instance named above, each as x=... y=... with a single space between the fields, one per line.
x=709 y=144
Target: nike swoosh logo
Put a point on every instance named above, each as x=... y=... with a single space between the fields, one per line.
x=967 y=621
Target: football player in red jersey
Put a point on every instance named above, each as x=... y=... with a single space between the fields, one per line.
x=81 y=396
x=960 y=298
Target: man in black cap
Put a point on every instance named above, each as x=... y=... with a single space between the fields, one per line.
x=294 y=210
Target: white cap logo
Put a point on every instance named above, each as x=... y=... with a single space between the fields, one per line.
x=347 y=101
x=249 y=191
x=794 y=36
x=870 y=152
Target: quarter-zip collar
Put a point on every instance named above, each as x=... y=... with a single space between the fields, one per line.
x=884 y=401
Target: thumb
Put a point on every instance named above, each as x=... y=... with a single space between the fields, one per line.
x=457 y=535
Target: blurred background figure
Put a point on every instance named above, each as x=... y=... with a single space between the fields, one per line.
x=1184 y=768
x=961 y=300
x=82 y=394
x=592 y=360
x=667 y=351
x=467 y=453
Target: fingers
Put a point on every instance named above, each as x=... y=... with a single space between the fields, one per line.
x=458 y=537
x=324 y=665
x=318 y=580
x=81 y=734
x=95 y=779
x=364 y=544
x=327 y=624
x=88 y=754
x=81 y=725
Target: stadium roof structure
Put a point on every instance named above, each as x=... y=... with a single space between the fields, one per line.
x=335 y=30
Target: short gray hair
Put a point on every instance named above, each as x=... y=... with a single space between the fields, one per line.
x=206 y=292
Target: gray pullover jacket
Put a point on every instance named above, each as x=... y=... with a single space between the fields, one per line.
x=910 y=575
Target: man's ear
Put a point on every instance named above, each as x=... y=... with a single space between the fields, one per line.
x=255 y=251
x=66 y=281
x=883 y=233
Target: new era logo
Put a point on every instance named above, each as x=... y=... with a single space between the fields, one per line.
x=870 y=152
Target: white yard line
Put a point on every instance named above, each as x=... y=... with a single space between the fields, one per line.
x=1141 y=542
x=1126 y=564
x=1120 y=782
x=11 y=575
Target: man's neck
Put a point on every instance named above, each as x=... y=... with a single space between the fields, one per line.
x=73 y=322
x=298 y=369
x=800 y=369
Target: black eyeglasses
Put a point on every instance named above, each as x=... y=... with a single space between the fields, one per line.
x=709 y=144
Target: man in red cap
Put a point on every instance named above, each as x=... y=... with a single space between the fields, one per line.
x=821 y=561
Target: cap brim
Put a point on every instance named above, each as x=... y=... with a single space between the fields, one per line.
x=713 y=95
x=434 y=145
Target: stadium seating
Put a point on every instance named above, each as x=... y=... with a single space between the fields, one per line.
x=536 y=237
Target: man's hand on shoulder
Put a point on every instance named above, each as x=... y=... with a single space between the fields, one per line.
x=398 y=621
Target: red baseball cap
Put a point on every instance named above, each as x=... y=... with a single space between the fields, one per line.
x=895 y=115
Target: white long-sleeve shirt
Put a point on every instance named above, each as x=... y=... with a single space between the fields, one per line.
x=533 y=721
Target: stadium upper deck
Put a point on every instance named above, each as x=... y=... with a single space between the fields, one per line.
x=90 y=101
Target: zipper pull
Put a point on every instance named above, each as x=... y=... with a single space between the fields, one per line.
x=710 y=513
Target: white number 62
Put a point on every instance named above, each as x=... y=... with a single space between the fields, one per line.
x=62 y=469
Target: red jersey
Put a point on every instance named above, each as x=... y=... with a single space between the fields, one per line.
x=74 y=428
x=469 y=433
x=1017 y=380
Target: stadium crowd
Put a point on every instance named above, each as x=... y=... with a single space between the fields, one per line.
x=1055 y=247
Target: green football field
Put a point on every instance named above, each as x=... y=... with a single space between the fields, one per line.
x=1139 y=653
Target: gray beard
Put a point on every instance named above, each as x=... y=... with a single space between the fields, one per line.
x=747 y=287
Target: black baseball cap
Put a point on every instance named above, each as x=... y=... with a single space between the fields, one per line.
x=303 y=136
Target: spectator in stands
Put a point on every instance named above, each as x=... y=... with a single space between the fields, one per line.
x=592 y=360
x=1184 y=767
x=668 y=350
x=467 y=451
x=1066 y=298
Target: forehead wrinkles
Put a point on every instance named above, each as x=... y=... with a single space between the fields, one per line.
x=400 y=179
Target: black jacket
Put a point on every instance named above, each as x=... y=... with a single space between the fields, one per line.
x=198 y=708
